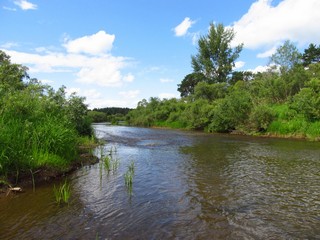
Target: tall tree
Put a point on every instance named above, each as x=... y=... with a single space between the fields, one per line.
x=286 y=56
x=216 y=57
x=189 y=82
x=11 y=75
x=311 y=55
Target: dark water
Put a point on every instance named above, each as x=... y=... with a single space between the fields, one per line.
x=186 y=186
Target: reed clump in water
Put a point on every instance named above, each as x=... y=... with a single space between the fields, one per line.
x=128 y=176
x=62 y=193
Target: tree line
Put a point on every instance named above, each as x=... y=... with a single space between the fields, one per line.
x=284 y=100
x=108 y=114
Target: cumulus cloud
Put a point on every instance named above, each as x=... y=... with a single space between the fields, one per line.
x=95 y=44
x=95 y=99
x=267 y=53
x=102 y=69
x=238 y=64
x=25 y=5
x=129 y=77
x=267 y=25
x=259 y=69
x=183 y=27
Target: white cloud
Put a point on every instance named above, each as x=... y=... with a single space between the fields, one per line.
x=9 y=8
x=128 y=78
x=238 y=65
x=129 y=94
x=259 y=69
x=267 y=53
x=167 y=95
x=183 y=27
x=166 y=80
x=95 y=44
x=102 y=70
x=9 y=45
x=25 y=5
x=267 y=25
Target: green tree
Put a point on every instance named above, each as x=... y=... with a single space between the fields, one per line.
x=286 y=56
x=210 y=92
x=311 y=55
x=216 y=57
x=186 y=88
x=11 y=75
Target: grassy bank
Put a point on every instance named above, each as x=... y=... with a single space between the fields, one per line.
x=41 y=129
x=269 y=104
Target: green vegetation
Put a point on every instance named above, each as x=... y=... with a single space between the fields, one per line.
x=112 y=115
x=40 y=127
x=62 y=193
x=128 y=176
x=283 y=101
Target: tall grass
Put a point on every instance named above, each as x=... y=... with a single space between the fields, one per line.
x=62 y=193
x=33 y=137
x=128 y=176
x=109 y=159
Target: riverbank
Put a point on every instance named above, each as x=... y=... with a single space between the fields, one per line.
x=43 y=174
x=298 y=136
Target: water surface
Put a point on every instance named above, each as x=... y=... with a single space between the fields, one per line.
x=186 y=185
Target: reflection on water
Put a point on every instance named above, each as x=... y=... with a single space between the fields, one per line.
x=186 y=186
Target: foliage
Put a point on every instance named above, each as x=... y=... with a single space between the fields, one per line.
x=286 y=56
x=97 y=117
x=216 y=57
x=271 y=102
x=311 y=55
x=210 y=92
x=39 y=126
x=186 y=88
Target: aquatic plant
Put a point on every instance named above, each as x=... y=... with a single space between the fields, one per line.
x=107 y=162
x=62 y=193
x=128 y=176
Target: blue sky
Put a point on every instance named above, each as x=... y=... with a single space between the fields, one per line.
x=117 y=52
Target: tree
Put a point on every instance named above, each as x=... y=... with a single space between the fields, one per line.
x=216 y=57
x=240 y=76
x=311 y=55
x=11 y=75
x=286 y=56
x=189 y=82
x=210 y=92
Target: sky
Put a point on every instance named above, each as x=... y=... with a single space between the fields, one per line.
x=118 y=52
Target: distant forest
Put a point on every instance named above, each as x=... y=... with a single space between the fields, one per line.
x=113 y=110
x=108 y=114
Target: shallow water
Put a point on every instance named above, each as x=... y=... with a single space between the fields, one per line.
x=186 y=185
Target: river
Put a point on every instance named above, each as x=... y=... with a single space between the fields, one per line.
x=186 y=185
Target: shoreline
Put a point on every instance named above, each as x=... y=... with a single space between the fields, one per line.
x=242 y=133
x=45 y=174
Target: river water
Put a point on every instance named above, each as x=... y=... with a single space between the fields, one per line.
x=186 y=185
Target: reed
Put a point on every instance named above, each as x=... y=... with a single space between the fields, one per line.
x=128 y=176
x=62 y=193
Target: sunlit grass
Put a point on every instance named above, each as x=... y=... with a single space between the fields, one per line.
x=62 y=193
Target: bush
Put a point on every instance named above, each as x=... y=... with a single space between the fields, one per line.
x=261 y=117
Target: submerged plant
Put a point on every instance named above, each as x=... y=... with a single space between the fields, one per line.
x=107 y=162
x=110 y=161
x=62 y=193
x=128 y=176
